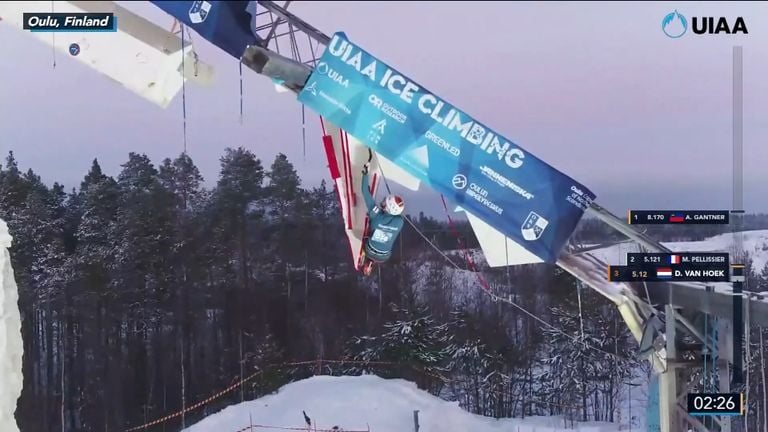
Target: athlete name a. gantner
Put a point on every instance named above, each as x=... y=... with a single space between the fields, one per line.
x=709 y=217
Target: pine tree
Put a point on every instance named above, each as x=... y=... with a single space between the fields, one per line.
x=145 y=230
x=328 y=223
x=288 y=217
x=414 y=340
x=182 y=178
x=476 y=366
x=762 y=281
x=13 y=188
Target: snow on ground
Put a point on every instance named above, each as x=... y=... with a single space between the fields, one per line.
x=755 y=244
x=359 y=402
x=11 y=348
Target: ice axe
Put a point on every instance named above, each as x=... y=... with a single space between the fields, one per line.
x=370 y=158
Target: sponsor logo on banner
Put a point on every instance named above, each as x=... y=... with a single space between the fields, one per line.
x=579 y=198
x=481 y=195
x=443 y=144
x=199 y=10
x=533 y=226
x=459 y=181
x=387 y=109
x=334 y=75
x=376 y=132
x=311 y=88
x=503 y=181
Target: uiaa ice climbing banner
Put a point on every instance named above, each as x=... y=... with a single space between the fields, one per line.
x=486 y=174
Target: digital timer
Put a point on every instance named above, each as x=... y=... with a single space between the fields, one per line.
x=715 y=404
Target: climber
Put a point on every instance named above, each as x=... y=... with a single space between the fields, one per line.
x=385 y=222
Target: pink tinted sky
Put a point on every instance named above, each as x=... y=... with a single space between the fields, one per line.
x=595 y=89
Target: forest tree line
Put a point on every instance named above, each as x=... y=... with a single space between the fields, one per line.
x=147 y=292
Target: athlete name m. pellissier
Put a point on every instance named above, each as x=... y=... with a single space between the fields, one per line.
x=440 y=111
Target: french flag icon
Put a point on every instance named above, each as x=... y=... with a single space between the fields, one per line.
x=674 y=259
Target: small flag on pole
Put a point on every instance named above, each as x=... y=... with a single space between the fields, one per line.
x=664 y=273
x=674 y=259
x=676 y=218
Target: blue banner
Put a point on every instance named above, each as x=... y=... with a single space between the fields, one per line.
x=226 y=24
x=471 y=164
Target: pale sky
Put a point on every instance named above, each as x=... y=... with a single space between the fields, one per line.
x=594 y=88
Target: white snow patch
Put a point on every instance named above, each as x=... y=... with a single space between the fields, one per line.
x=11 y=347
x=362 y=402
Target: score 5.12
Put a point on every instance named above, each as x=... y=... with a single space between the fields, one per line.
x=627 y=274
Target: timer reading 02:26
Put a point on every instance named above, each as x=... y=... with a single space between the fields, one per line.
x=703 y=404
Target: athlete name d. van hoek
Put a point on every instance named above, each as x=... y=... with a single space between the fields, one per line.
x=439 y=111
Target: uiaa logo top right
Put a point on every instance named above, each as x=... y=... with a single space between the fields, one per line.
x=675 y=25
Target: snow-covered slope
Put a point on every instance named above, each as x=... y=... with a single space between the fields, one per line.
x=755 y=244
x=363 y=402
x=10 y=337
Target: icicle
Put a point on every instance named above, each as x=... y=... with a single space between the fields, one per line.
x=183 y=89
x=241 y=92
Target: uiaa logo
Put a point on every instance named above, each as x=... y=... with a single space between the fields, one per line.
x=675 y=25
x=323 y=69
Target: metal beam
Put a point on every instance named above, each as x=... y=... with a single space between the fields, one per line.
x=621 y=226
x=668 y=380
x=725 y=349
x=297 y=22
x=693 y=296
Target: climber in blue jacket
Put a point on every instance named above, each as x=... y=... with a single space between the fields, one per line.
x=385 y=223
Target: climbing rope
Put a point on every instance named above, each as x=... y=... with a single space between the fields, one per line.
x=53 y=40
x=304 y=131
x=581 y=315
x=183 y=88
x=241 y=91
